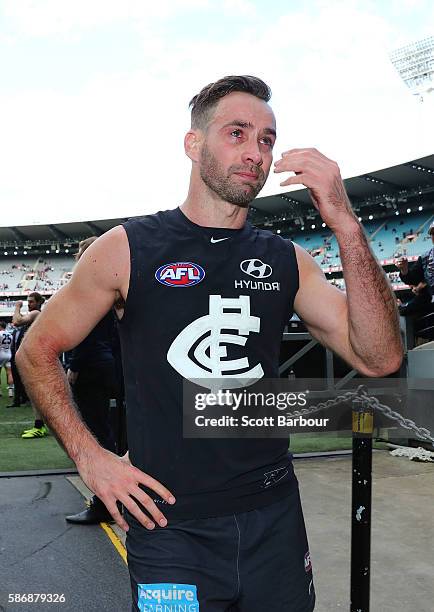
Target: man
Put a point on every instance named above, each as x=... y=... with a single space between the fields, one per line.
x=23 y=323
x=5 y=357
x=231 y=542
x=421 y=273
x=420 y=302
x=19 y=394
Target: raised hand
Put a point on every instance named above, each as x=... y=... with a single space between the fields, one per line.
x=323 y=179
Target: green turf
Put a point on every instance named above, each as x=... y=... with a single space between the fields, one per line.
x=18 y=454
x=33 y=454
x=310 y=443
x=327 y=441
x=45 y=453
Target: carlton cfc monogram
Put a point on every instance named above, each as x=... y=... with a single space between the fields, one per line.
x=211 y=365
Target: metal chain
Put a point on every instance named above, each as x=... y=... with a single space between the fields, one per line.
x=361 y=396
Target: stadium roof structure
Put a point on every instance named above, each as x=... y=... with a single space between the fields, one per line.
x=63 y=233
x=390 y=187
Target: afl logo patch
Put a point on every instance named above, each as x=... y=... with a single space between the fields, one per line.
x=180 y=274
x=307 y=562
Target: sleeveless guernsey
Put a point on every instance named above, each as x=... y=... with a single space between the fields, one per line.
x=185 y=280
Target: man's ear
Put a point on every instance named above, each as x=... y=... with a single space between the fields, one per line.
x=192 y=143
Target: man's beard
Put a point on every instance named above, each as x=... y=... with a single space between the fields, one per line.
x=219 y=181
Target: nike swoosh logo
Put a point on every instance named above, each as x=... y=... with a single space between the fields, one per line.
x=214 y=240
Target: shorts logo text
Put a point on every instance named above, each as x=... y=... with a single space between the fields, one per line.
x=167 y=597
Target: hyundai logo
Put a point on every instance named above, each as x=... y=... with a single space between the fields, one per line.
x=256 y=268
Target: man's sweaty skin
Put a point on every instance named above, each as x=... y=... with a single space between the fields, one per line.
x=367 y=336
x=99 y=277
x=19 y=319
x=365 y=319
x=235 y=153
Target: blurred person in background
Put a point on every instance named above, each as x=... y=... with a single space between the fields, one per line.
x=19 y=393
x=23 y=322
x=419 y=302
x=420 y=273
x=93 y=378
x=5 y=357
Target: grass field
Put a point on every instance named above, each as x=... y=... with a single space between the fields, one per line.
x=17 y=454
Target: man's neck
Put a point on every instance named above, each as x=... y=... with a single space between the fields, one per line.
x=208 y=210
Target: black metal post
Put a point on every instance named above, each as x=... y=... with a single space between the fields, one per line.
x=363 y=425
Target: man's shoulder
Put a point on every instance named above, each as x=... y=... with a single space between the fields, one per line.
x=276 y=241
x=151 y=220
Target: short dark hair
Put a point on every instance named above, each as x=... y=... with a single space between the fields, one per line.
x=39 y=299
x=3 y=324
x=205 y=101
x=83 y=245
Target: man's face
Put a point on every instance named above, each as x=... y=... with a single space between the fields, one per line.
x=31 y=303
x=236 y=154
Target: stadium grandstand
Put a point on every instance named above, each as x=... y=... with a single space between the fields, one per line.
x=395 y=206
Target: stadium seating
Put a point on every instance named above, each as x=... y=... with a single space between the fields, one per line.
x=392 y=239
x=53 y=273
x=316 y=243
x=14 y=271
x=28 y=274
x=323 y=246
x=389 y=237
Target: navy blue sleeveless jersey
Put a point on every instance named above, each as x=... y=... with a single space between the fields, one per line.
x=185 y=282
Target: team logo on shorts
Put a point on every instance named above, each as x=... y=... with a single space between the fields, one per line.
x=167 y=596
x=274 y=476
x=307 y=562
x=180 y=274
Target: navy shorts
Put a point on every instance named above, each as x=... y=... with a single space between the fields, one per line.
x=252 y=561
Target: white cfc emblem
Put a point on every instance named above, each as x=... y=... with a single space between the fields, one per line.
x=224 y=314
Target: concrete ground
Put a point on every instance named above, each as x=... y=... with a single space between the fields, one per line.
x=402 y=551
x=40 y=552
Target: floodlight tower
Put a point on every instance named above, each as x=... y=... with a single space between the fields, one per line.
x=415 y=64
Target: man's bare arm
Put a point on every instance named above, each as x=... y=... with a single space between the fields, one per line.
x=362 y=325
x=19 y=319
x=68 y=317
x=373 y=317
